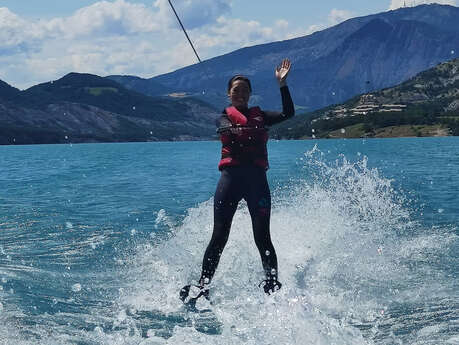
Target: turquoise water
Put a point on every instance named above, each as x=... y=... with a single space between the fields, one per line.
x=97 y=239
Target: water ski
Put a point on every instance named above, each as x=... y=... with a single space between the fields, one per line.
x=189 y=294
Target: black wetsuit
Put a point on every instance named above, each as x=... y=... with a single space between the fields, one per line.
x=245 y=181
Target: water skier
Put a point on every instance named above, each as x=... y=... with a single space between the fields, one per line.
x=243 y=133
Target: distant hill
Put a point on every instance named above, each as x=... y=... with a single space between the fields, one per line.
x=425 y=105
x=146 y=86
x=88 y=108
x=359 y=55
x=7 y=91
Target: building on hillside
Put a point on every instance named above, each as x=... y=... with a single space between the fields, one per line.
x=393 y=107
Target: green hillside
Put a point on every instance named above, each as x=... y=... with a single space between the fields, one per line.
x=425 y=105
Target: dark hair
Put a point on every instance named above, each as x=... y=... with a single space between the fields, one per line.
x=239 y=77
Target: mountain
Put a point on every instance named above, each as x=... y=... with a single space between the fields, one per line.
x=145 y=86
x=425 y=105
x=330 y=66
x=89 y=108
x=7 y=91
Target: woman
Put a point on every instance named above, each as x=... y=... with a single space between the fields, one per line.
x=243 y=166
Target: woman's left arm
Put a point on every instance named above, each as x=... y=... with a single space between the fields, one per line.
x=288 y=110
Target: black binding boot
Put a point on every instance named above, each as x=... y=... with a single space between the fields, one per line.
x=189 y=294
x=270 y=286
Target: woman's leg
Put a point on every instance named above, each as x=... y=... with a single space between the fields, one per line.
x=226 y=199
x=258 y=199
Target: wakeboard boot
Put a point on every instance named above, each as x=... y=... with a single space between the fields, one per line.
x=189 y=294
x=270 y=286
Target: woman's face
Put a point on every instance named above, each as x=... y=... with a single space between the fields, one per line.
x=239 y=94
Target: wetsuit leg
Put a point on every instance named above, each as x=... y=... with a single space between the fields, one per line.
x=227 y=196
x=258 y=197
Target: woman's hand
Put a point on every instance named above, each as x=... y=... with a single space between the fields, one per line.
x=282 y=71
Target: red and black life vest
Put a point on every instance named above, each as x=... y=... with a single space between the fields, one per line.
x=248 y=144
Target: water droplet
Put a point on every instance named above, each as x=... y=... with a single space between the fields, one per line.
x=452 y=52
x=76 y=287
x=133 y=107
x=66 y=137
x=151 y=132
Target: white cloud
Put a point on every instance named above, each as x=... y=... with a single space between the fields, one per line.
x=16 y=34
x=401 y=3
x=107 y=18
x=196 y=13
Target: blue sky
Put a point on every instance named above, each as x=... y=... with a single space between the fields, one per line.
x=44 y=40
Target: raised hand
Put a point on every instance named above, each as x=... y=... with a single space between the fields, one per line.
x=282 y=71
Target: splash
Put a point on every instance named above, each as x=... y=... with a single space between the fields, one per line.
x=346 y=244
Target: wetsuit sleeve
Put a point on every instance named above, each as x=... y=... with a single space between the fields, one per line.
x=288 y=110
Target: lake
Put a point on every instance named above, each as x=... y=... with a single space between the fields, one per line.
x=97 y=239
